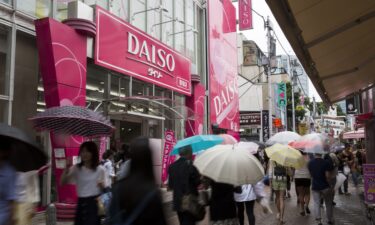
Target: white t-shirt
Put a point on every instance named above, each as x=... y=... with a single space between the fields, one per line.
x=27 y=187
x=109 y=173
x=87 y=180
x=250 y=192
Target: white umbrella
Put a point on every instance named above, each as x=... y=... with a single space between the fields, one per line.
x=251 y=147
x=318 y=143
x=229 y=164
x=283 y=138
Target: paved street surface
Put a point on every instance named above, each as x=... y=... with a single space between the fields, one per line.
x=348 y=211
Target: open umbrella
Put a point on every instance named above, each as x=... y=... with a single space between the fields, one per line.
x=228 y=139
x=198 y=143
x=73 y=120
x=284 y=138
x=337 y=147
x=285 y=156
x=229 y=164
x=26 y=154
x=251 y=147
x=312 y=143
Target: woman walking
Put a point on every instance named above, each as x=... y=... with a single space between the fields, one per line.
x=303 y=182
x=136 y=198
x=247 y=198
x=222 y=205
x=278 y=178
x=89 y=179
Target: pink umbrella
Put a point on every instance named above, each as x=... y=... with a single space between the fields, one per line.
x=73 y=120
x=228 y=139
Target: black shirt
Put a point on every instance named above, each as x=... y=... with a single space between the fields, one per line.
x=222 y=203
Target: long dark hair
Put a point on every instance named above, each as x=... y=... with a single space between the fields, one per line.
x=141 y=158
x=91 y=147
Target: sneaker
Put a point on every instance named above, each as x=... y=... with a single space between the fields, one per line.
x=303 y=213
x=319 y=221
x=347 y=193
x=330 y=223
x=333 y=203
x=307 y=210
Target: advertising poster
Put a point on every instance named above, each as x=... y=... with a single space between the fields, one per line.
x=224 y=102
x=369 y=183
x=167 y=159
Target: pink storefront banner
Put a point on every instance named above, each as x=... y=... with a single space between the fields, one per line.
x=167 y=158
x=224 y=102
x=128 y=50
x=369 y=183
x=245 y=20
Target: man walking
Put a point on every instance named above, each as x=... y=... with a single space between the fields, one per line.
x=184 y=179
x=321 y=173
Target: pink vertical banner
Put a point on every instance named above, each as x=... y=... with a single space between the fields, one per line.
x=369 y=183
x=103 y=146
x=245 y=20
x=167 y=159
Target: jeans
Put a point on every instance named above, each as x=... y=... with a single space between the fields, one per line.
x=355 y=177
x=327 y=196
x=185 y=218
x=345 y=185
x=249 y=211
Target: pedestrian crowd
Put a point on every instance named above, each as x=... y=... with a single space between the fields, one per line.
x=121 y=188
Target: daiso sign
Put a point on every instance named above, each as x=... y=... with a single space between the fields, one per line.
x=126 y=49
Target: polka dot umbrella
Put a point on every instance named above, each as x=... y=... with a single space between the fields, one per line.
x=73 y=120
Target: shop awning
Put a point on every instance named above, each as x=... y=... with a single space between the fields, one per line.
x=334 y=40
x=151 y=106
x=354 y=134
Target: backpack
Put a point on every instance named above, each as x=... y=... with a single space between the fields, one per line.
x=279 y=171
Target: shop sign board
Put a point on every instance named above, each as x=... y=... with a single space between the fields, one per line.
x=121 y=47
x=249 y=118
x=265 y=125
x=223 y=89
x=169 y=143
x=369 y=183
x=281 y=94
x=245 y=15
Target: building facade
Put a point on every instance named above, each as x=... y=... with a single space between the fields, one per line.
x=174 y=32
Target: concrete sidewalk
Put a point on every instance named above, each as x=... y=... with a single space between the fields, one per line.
x=348 y=211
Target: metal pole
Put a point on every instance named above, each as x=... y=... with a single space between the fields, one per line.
x=293 y=107
x=269 y=78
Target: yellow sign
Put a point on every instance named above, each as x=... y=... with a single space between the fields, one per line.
x=302 y=128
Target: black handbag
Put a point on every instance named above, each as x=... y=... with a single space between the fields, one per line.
x=190 y=204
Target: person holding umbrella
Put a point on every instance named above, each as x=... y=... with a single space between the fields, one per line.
x=7 y=184
x=89 y=177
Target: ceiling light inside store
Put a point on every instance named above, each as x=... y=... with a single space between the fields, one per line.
x=40 y=110
x=40 y=88
x=101 y=82
x=41 y=103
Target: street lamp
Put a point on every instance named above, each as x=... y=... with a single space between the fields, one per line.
x=174 y=20
x=184 y=31
x=160 y=9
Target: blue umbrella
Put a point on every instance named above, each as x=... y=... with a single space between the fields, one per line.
x=198 y=143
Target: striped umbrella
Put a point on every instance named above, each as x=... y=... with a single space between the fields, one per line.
x=73 y=120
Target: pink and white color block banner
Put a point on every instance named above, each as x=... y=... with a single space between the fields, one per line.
x=224 y=102
x=167 y=158
x=128 y=50
x=245 y=20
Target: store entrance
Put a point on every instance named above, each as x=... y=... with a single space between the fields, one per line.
x=129 y=127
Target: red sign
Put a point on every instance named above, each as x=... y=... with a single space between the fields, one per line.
x=168 y=146
x=223 y=64
x=126 y=49
x=245 y=15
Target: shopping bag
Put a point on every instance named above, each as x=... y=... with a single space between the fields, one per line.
x=340 y=178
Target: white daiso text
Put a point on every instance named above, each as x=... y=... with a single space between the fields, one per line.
x=154 y=73
x=157 y=57
x=224 y=98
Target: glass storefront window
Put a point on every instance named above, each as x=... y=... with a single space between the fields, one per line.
x=120 y=8
x=191 y=30
x=179 y=31
x=138 y=14
x=3 y=110
x=62 y=11
x=4 y=58
x=37 y=8
x=167 y=19
x=153 y=17
x=6 y=1
x=95 y=86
